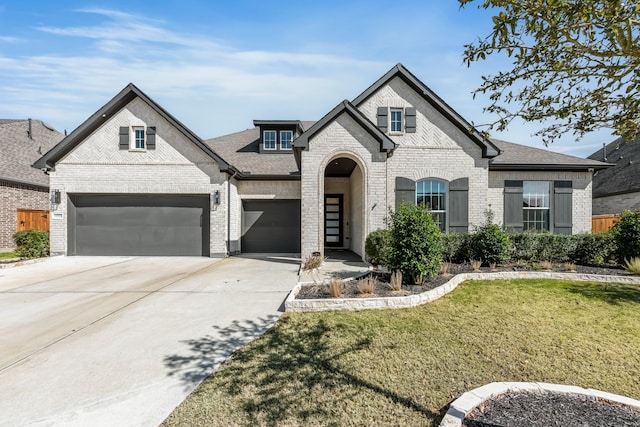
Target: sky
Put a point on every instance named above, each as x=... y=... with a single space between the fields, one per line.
x=218 y=65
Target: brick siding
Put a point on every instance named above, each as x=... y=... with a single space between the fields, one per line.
x=13 y=197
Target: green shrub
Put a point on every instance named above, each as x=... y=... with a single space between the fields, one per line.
x=595 y=249
x=377 y=246
x=455 y=247
x=627 y=235
x=490 y=243
x=416 y=248
x=31 y=243
x=557 y=247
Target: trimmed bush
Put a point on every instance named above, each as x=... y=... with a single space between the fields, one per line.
x=32 y=243
x=490 y=243
x=416 y=248
x=627 y=235
x=455 y=247
x=377 y=247
x=595 y=249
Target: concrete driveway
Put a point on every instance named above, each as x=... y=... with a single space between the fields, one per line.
x=123 y=340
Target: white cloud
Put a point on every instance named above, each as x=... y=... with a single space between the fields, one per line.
x=212 y=86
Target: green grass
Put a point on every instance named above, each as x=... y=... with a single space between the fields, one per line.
x=403 y=367
x=8 y=255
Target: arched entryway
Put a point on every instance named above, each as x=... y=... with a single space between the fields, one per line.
x=343 y=220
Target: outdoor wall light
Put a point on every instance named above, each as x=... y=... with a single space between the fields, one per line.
x=55 y=197
x=216 y=197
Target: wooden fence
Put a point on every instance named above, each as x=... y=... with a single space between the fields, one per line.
x=31 y=219
x=601 y=223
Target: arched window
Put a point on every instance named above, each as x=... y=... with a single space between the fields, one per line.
x=433 y=194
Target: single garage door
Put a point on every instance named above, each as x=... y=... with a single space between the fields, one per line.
x=271 y=226
x=161 y=225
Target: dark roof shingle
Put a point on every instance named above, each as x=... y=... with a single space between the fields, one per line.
x=624 y=177
x=18 y=152
x=516 y=156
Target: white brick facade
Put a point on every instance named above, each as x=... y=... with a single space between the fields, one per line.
x=176 y=166
x=581 y=196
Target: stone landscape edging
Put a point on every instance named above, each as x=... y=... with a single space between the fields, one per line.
x=327 y=304
x=19 y=262
x=468 y=401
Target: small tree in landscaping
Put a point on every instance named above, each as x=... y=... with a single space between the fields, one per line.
x=490 y=243
x=416 y=248
x=626 y=234
x=377 y=247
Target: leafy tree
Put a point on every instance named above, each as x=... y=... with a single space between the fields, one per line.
x=416 y=247
x=575 y=62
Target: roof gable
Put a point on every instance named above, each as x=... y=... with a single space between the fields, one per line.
x=488 y=148
x=126 y=95
x=302 y=142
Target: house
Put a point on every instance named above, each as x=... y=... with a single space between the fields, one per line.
x=24 y=191
x=617 y=188
x=132 y=179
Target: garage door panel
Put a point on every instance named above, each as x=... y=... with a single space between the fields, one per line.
x=271 y=226
x=139 y=225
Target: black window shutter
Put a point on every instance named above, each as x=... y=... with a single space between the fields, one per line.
x=459 y=205
x=410 y=120
x=405 y=190
x=124 y=137
x=513 y=205
x=562 y=207
x=383 y=121
x=151 y=138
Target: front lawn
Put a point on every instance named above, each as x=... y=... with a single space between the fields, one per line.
x=8 y=255
x=403 y=367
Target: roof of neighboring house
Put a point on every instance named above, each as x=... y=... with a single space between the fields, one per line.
x=241 y=149
x=126 y=95
x=522 y=157
x=18 y=151
x=622 y=178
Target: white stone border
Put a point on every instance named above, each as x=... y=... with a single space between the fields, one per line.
x=21 y=262
x=466 y=403
x=326 y=304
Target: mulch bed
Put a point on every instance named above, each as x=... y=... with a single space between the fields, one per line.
x=528 y=409
x=383 y=289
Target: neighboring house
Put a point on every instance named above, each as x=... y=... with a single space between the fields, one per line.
x=134 y=180
x=617 y=188
x=23 y=189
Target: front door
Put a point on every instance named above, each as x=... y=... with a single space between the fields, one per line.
x=333 y=233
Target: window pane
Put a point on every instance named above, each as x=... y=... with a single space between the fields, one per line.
x=333 y=223
x=333 y=208
x=432 y=193
x=333 y=216
x=286 y=136
x=333 y=231
x=396 y=120
x=332 y=239
x=138 y=135
x=332 y=200
x=270 y=140
x=536 y=198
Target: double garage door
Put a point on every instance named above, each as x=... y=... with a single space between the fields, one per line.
x=161 y=225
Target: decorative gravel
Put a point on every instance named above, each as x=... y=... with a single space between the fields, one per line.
x=527 y=409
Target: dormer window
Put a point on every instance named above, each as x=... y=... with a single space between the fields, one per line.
x=269 y=138
x=286 y=137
